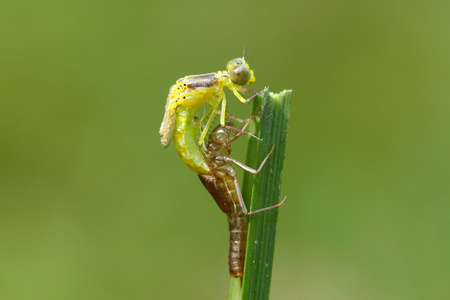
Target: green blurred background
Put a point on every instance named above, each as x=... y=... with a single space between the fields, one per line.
x=92 y=207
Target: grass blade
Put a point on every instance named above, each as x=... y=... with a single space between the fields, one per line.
x=266 y=192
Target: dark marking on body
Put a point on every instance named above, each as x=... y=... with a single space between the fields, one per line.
x=205 y=80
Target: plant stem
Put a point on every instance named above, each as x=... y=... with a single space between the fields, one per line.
x=266 y=192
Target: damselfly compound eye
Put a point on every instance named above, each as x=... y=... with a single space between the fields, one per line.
x=239 y=71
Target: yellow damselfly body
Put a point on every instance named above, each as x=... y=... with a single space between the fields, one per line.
x=187 y=95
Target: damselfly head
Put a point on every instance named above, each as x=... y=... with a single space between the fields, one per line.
x=240 y=72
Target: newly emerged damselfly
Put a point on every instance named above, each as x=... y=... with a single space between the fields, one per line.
x=187 y=95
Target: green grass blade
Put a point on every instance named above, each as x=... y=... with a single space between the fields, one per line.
x=266 y=192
